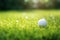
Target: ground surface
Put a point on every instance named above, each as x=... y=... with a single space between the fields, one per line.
x=23 y=25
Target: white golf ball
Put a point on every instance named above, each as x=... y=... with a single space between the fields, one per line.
x=42 y=22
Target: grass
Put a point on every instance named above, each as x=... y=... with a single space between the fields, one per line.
x=23 y=25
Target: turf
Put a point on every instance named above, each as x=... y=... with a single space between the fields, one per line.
x=23 y=25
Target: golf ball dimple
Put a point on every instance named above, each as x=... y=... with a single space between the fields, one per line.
x=42 y=22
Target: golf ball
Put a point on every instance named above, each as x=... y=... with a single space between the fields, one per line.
x=42 y=22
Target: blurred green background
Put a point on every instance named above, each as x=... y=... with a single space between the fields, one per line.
x=29 y=4
x=23 y=23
